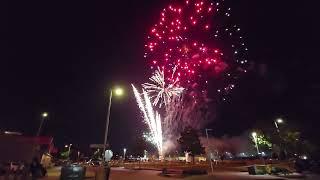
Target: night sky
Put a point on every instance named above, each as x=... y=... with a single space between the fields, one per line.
x=61 y=57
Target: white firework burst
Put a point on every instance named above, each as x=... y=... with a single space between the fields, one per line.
x=161 y=91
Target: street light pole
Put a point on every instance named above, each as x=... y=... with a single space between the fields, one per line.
x=124 y=153
x=43 y=115
x=69 y=151
x=69 y=148
x=107 y=125
x=254 y=135
x=118 y=92
x=276 y=123
x=209 y=149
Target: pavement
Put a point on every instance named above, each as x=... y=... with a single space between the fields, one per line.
x=121 y=174
x=124 y=174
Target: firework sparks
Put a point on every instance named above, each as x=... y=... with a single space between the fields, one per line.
x=193 y=44
x=161 y=91
x=151 y=117
x=196 y=40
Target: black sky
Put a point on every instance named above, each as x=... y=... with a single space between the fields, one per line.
x=61 y=56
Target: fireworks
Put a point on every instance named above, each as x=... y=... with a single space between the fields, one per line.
x=193 y=41
x=151 y=117
x=187 y=112
x=164 y=92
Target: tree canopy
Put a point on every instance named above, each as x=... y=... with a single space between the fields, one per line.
x=189 y=142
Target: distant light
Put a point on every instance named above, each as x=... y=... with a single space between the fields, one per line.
x=67 y=145
x=45 y=114
x=279 y=120
x=118 y=91
x=304 y=157
x=12 y=133
x=254 y=134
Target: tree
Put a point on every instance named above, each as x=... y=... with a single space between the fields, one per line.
x=189 y=142
x=295 y=144
x=291 y=141
x=263 y=141
x=64 y=154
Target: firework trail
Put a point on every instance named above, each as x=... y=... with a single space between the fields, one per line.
x=151 y=117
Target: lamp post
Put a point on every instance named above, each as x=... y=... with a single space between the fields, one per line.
x=276 y=122
x=43 y=117
x=209 y=149
x=69 y=149
x=254 y=135
x=117 y=92
x=124 y=153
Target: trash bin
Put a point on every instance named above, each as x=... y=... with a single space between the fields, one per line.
x=251 y=170
x=73 y=172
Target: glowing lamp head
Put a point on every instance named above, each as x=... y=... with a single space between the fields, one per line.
x=279 y=120
x=118 y=92
x=254 y=134
x=45 y=114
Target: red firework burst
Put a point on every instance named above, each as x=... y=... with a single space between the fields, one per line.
x=190 y=45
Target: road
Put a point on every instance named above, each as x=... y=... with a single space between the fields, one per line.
x=124 y=174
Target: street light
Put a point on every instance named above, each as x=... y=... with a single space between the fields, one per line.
x=254 y=135
x=69 y=149
x=118 y=92
x=78 y=155
x=44 y=115
x=276 y=122
x=124 y=153
x=279 y=120
x=209 y=149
